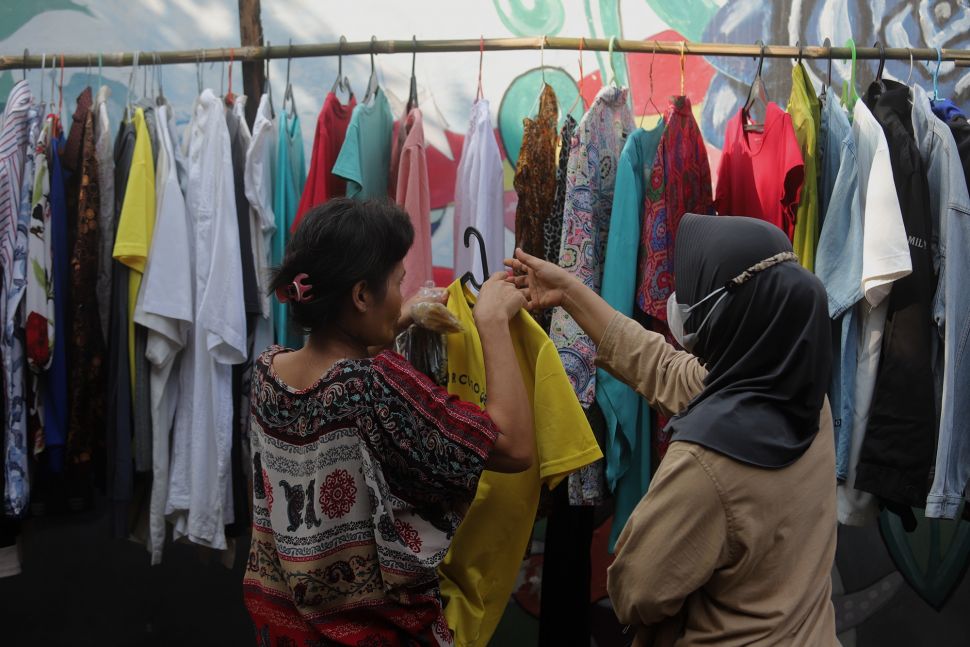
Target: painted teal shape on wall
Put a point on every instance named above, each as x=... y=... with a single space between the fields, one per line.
x=544 y=17
x=14 y=14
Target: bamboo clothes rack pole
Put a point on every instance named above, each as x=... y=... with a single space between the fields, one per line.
x=121 y=59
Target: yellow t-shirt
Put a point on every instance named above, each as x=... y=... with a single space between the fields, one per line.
x=136 y=224
x=479 y=572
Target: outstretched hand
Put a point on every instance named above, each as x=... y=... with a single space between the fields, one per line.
x=543 y=284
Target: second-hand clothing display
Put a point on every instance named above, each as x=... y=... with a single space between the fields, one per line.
x=535 y=175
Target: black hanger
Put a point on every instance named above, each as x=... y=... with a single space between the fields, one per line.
x=798 y=44
x=762 y=94
x=469 y=277
x=882 y=64
x=413 y=98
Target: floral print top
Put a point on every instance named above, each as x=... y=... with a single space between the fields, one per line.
x=535 y=175
x=590 y=177
x=359 y=484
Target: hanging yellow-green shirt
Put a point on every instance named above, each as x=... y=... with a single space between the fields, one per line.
x=805 y=111
x=136 y=224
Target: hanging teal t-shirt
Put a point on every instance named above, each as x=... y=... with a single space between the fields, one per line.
x=290 y=177
x=627 y=414
x=365 y=157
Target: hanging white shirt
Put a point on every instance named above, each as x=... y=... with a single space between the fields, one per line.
x=202 y=438
x=479 y=195
x=885 y=259
x=258 y=177
x=165 y=307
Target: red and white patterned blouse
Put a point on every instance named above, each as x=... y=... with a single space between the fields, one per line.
x=360 y=482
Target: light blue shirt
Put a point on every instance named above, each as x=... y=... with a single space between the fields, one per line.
x=290 y=177
x=365 y=157
x=627 y=415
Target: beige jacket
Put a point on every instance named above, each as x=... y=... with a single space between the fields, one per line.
x=719 y=552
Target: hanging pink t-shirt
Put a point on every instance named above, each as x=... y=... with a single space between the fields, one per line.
x=761 y=173
x=414 y=194
x=321 y=183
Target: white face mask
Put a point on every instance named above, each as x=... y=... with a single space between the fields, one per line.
x=677 y=314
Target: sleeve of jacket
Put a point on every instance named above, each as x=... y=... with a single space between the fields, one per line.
x=643 y=359
x=675 y=539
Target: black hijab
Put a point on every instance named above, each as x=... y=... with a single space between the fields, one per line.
x=767 y=346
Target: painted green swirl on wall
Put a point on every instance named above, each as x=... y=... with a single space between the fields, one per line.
x=521 y=100
x=545 y=17
x=689 y=17
x=603 y=20
x=14 y=14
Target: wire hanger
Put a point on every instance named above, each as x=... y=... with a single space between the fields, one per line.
x=849 y=93
x=230 y=98
x=936 y=74
x=649 y=100
x=762 y=94
x=481 y=59
x=469 y=276
x=199 y=71
x=683 y=65
x=288 y=93
x=882 y=65
x=160 y=99
x=910 y=75
x=26 y=54
x=413 y=96
x=372 y=83
x=542 y=66
x=131 y=85
x=582 y=78
x=612 y=66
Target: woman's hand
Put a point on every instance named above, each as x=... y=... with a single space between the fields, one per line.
x=543 y=284
x=499 y=300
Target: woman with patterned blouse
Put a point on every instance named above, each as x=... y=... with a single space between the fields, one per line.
x=363 y=468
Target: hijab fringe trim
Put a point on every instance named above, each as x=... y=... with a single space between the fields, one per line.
x=760 y=266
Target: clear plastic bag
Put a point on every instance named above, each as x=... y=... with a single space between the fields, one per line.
x=429 y=313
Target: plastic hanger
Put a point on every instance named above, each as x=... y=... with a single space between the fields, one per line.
x=342 y=82
x=936 y=74
x=762 y=94
x=480 y=94
x=910 y=75
x=200 y=71
x=43 y=68
x=612 y=66
x=372 y=84
x=827 y=44
x=413 y=96
x=649 y=100
x=26 y=54
x=267 y=86
x=849 y=93
x=131 y=85
x=469 y=276
x=882 y=65
x=288 y=93
x=160 y=98
x=542 y=66
x=579 y=95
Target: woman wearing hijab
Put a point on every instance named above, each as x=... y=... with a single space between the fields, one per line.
x=735 y=540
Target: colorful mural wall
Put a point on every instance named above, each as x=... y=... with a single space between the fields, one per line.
x=891 y=587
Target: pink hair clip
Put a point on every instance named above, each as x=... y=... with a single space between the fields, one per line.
x=297 y=291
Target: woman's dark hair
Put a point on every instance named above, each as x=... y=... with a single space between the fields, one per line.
x=338 y=244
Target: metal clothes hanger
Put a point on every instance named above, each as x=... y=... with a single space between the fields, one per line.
x=469 y=276
x=26 y=54
x=936 y=74
x=480 y=94
x=200 y=71
x=372 y=83
x=910 y=75
x=683 y=65
x=267 y=86
x=582 y=78
x=542 y=67
x=649 y=100
x=849 y=93
x=342 y=82
x=827 y=43
x=762 y=94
